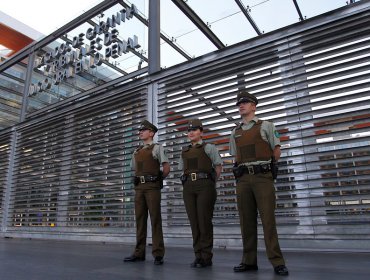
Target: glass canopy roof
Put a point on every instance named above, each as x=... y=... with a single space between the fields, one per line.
x=189 y=29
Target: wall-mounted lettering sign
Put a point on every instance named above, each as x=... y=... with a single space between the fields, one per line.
x=71 y=58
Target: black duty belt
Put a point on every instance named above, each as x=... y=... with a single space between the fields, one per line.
x=146 y=178
x=195 y=176
x=255 y=169
x=251 y=169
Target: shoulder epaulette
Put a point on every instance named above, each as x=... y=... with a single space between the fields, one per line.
x=186 y=148
x=139 y=148
x=262 y=121
x=201 y=145
x=207 y=143
x=238 y=126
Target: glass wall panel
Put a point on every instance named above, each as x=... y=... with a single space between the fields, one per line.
x=107 y=46
x=11 y=94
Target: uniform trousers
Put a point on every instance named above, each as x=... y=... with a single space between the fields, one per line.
x=148 y=198
x=257 y=192
x=199 y=199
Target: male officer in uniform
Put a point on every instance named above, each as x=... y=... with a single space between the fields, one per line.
x=146 y=162
x=256 y=145
x=201 y=163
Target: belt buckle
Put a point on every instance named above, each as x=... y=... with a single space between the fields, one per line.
x=250 y=169
x=193 y=176
x=142 y=179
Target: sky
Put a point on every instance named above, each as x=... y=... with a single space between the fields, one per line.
x=46 y=16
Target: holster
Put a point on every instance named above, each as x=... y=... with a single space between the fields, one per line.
x=213 y=175
x=136 y=181
x=238 y=170
x=274 y=168
x=183 y=178
x=160 y=177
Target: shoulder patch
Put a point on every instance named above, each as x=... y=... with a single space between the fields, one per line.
x=277 y=134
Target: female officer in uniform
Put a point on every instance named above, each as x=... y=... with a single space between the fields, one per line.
x=201 y=164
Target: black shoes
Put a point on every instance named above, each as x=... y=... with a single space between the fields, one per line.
x=205 y=263
x=281 y=270
x=134 y=258
x=158 y=260
x=245 y=267
x=195 y=263
x=199 y=263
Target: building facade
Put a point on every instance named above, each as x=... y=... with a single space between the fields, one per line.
x=70 y=119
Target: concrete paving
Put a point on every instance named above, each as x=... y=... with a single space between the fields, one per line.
x=25 y=259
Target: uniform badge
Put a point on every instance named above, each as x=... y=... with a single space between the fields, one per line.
x=276 y=133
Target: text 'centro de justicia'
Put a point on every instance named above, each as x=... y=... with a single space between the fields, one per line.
x=71 y=58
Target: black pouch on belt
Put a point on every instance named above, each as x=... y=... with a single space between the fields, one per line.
x=183 y=178
x=238 y=171
x=136 y=181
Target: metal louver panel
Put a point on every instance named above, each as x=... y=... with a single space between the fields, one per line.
x=315 y=87
x=72 y=170
x=4 y=167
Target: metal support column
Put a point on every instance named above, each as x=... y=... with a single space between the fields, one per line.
x=9 y=180
x=154 y=36
x=152 y=107
x=152 y=113
x=294 y=78
x=26 y=88
x=65 y=174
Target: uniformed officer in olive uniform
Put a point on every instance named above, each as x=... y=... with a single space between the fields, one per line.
x=201 y=163
x=146 y=162
x=253 y=143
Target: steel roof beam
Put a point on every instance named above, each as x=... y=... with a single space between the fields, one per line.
x=248 y=16
x=199 y=23
x=163 y=37
x=298 y=10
